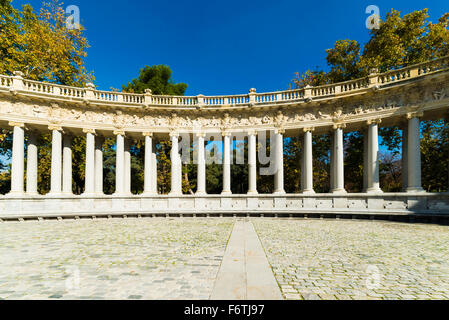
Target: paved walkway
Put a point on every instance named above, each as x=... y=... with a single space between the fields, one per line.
x=200 y=259
x=245 y=273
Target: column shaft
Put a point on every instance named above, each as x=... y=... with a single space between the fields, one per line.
x=154 y=169
x=414 y=156
x=226 y=164
x=67 y=165
x=32 y=163
x=365 y=160
x=404 y=158
x=373 y=158
x=150 y=169
x=176 y=167
x=127 y=168
x=18 y=158
x=56 y=162
x=308 y=163
x=279 y=165
x=339 y=175
x=201 y=171
x=89 y=188
x=120 y=164
x=99 y=165
x=252 y=163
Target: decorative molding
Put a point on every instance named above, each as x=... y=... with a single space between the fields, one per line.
x=417 y=114
x=91 y=131
x=373 y=121
x=310 y=129
x=119 y=133
x=16 y=124
x=54 y=127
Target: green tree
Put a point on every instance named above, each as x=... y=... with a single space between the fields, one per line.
x=400 y=41
x=158 y=79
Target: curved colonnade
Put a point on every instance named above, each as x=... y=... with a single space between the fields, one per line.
x=396 y=98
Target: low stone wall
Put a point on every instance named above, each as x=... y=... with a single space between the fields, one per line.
x=369 y=204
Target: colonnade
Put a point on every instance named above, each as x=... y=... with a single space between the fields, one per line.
x=61 y=161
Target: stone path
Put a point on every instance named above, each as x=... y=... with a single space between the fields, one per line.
x=245 y=273
x=192 y=259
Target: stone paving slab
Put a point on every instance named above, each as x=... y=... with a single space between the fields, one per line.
x=111 y=259
x=328 y=259
x=245 y=273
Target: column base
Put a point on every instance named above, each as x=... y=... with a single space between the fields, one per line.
x=15 y=194
x=149 y=194
x=251 y=193
x=226 y=193
x=415 y=189
x=86 y=195
x=306 y=192
x=374 y=190
x=54 y=195
x=175 y=194
x=339 y=191
x=32 y=194
x=279 y=192
x=201 y=193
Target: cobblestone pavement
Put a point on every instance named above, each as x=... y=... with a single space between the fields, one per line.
x=323 y=259
x=111 y=259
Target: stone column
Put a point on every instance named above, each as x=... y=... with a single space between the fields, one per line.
x=32 y=163
x=404 y=157
x=99 y=165
x=226 y=163
x=279 y=159
x=89 y=188
x=414 y=153
x=150 y=169
x=201 y=171
x=67 y=165
x=252 y=162
x=176 y=166
x=120 y=163
x=339 y=176
x=373 y=157
x=307 y=169
x=18 y=158
x=154 y=166
x=56 y=160
x=365 y=160
x=127 y=168
x=332 y=162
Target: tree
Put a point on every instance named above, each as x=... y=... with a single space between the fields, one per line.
x=40 y=46
x=158 y=79
x=399 y=41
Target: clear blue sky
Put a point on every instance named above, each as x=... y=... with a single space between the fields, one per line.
x=222 y=47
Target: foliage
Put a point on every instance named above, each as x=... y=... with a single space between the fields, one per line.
x=400 y=41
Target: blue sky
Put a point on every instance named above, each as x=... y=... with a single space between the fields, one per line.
x=222 y=47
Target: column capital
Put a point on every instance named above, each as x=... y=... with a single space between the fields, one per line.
x=339 y=126
x=279 y=131
x=54 y=127
x=86 y=130
x=310 y=129
x=225 y=133
x=16 y=124
x=373 y=121
x=200 y=135
x=148 y=134
x=174 y=134
x=119 y=132
x=416 y=114
x=252 y=132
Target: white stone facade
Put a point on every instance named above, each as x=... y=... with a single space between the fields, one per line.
x=401 y=97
